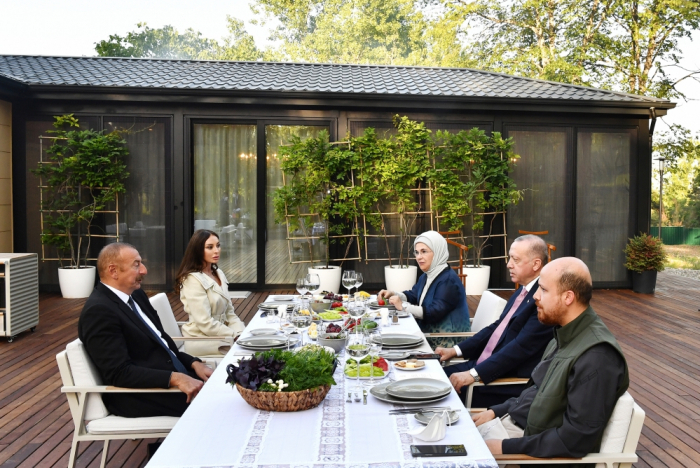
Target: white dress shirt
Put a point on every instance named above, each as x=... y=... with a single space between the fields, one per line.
x=528 y=287
x=125 y=297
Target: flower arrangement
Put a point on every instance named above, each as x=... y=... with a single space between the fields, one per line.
x=644 y=253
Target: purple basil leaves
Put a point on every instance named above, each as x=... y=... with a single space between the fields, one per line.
x=251 y=373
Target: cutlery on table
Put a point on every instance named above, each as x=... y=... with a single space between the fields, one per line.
x=349 y=400
x=424 y=409
x=357 y=396
x=364 y=396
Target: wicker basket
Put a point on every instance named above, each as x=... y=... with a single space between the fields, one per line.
x=284 y=401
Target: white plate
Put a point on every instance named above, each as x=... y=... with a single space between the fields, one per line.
x=419 y=389
x=409 y=368
x=399 y=340
x=426 y=416
x=379 y=392
x=397 y=355
x=283 y=298
x=265 y=331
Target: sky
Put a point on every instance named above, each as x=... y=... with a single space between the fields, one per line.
x=50 y=27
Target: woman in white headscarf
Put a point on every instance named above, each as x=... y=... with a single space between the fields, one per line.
x=438 y=300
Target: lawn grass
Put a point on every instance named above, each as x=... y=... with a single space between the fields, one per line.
x=684 y=257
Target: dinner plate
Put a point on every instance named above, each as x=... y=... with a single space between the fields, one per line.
x=374 y=305
x=395 y=355
x=409 y=368
x=398 y=339
x=419 y=389
x=274 y=305
x=265 y=331
x=283 y=298
x=426 y=416
x=403 y=314
x=379 y=392
x=266 y=342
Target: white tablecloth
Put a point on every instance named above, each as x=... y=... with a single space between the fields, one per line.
x=221 y=430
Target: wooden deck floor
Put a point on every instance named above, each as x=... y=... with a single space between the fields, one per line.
x=659 y=334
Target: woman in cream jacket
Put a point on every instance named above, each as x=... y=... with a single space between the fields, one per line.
x=204 y=293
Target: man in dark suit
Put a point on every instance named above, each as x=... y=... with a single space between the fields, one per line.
x=513 y=345
x=126 y=341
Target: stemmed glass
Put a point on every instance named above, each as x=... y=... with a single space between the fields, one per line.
x=357 y=348
x=349 y=280
x=301 y=322
x=358 y=282
x=374 y=336
x=356 y=310
x=313 y=283
x=302 y=289
x=286 y=326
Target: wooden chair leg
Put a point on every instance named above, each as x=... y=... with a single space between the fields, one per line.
x=105 y=450
x=73 y=452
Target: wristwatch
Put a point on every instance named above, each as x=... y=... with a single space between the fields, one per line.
x=475 y=375
x=404 y=305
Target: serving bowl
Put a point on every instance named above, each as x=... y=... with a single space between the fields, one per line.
x=320 y=306
x=336 y=344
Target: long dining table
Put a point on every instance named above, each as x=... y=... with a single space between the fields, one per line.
x=220 y=429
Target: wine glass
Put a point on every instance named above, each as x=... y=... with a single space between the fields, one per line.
x=358 y=282
x=313 y=283
x=356 y=310
x=301 y=322
x=349 y=280
x=286 y=327
x=302 y=289
x=357 y=348
x=374 y=336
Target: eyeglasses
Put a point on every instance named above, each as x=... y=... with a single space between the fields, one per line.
x=418 y=253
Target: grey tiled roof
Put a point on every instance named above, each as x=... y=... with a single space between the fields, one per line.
x=292 y=77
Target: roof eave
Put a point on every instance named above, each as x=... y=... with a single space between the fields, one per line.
x=327 y=98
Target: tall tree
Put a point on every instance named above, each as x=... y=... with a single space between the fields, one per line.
x=625 y=45
x=167 y=42
x=389 y=32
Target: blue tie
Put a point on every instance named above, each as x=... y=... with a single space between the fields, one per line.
x=176 y=362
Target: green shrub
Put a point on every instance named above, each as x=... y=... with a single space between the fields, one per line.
x=645 y=252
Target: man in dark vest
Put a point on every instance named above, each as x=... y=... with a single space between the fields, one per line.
x=572 y=392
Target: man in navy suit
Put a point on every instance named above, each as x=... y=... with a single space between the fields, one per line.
x=511 y=346
x=126 y=341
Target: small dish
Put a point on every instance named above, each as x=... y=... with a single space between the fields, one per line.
x=397 y=366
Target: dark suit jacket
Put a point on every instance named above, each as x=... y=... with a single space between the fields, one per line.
x=520 y=347
x=125 y=352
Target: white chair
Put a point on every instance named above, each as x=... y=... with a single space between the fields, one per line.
x=171 y=326
x=83 y=387
x=617 y=449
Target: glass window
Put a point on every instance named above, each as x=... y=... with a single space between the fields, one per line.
x=225 y=191
x=143 y=218
x=541 y=172
x=277 y=251
x=603 y=202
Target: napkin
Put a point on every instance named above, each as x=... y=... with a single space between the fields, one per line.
x=434 y=431
x=282 y=310
x=493 y=430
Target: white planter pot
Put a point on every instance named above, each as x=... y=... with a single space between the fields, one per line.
x=76 y=283
x=400 y=279
x=330 y=278
x=477 y=279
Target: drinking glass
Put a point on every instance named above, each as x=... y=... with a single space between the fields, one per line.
x=286 y=327
x=313 y=283
x=357 y=348
x=349 y=280
x=355 y=310
x=301 y=322
x=358 y=280
x=374 y=337
x=302 y=289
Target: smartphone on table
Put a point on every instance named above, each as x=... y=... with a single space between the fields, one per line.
x=438 y=451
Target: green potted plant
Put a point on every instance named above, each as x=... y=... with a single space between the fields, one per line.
x=644 y=257
x=278 y=380
x=471 y=177
x=392 y=169
x=317 y=183
x=84 y=173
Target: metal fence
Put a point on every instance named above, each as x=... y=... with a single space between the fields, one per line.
x=677 y=235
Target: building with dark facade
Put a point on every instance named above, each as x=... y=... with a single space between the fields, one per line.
x=205 y=135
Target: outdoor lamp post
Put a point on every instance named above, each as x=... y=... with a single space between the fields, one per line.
x=662 y=162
